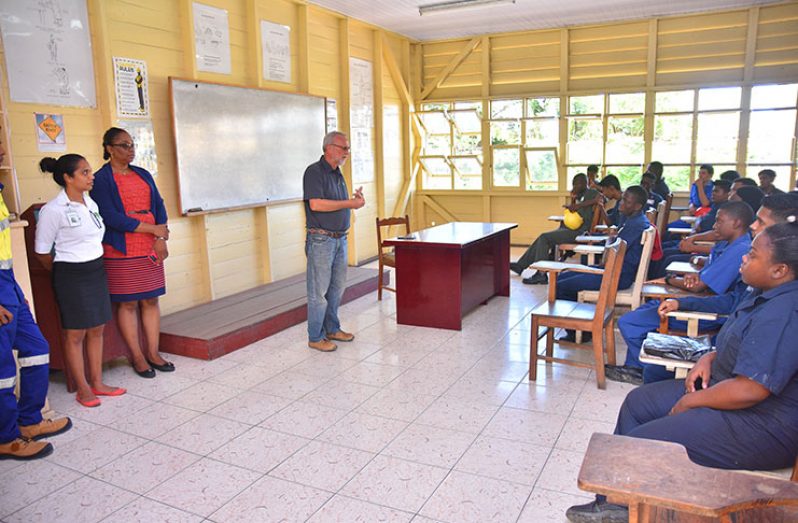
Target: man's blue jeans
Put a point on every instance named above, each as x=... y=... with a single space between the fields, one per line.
x=326 y=275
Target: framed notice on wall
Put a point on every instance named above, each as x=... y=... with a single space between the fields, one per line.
x=276 y=43
x=48 y=52
x=130 y=84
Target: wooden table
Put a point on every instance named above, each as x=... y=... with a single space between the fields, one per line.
x=446 y=271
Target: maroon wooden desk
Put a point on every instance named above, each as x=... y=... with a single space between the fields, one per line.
x=446 y=271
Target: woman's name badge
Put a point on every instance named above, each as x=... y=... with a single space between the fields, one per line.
x=73 y=218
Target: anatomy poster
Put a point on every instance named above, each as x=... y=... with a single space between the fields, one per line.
x=276 y=42
x=211 y=39
x=48 y=52
x=130 y=84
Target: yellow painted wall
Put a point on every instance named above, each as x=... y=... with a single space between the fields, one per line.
x=217 y=254
x=739 y=47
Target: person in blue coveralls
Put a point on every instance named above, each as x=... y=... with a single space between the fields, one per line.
x=700 y=197
x=738 y=406
x=632 y=224
x=636 y=325
x=21 y=422
x=721 y=269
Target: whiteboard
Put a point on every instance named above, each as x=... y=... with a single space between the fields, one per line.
x=239 y=147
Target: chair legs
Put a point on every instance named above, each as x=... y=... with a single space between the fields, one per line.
x=610 y=330
x=598 y=356
x=533 y=349
x=379 y=282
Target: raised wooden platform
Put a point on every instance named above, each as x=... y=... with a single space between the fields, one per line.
x=221 y=326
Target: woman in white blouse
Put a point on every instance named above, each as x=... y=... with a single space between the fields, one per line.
x=69 y=235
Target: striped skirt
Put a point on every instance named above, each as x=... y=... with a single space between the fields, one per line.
x=133 y=279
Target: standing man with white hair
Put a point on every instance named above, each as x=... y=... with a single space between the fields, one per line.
x=327 y=213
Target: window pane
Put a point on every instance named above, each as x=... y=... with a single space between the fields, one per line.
x=770 y=136
x=435 y=106
x=470 y=105
x=573 y=170
x=436 y=144
x=766 y=96
x=673 y=137
x=543 y=107
x=467 y=121
x=586 y=104
x=719 y=98
x=717 y=137
x=467 y=144
x=627 y=175
x=436 y=166
x=585 y=141
x=674 y=101
x=627 y=103
x=468 y=173
x=435 y=122
x=542 y=171
x=505 y=133
x=782 y=180
x=506 y=167
x=543 y=133
x=677 y=177
x=507 y=109
x=625 y=140
x=437 y=173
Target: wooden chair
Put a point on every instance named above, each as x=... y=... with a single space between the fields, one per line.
x=659 y=483
x=632 y=296
x=387 y=258
x=598 y=318
x=663 y=215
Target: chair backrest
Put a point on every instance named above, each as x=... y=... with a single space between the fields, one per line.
x=389 y=222
x=596 y=220
x=663 y=214
x=647 y=240
x=651 y=214
x=613 y=262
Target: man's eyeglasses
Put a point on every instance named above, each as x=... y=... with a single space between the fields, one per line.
x=345 y=148
x=125 y=146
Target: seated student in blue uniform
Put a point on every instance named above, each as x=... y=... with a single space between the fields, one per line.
x=681 y=250
x=730 y=176
x=700 y=197
x=647 y=182
x=610 y=188
x=720 y=269
x=632 y=224
x=750 y=195
x=636 y=325
x=738 y=407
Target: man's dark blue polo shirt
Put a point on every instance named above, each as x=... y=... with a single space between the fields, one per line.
x=323 y=182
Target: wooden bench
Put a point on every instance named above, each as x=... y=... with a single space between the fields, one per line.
x=658 y=482
x=223 y=325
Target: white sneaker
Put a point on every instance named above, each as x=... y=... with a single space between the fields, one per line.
x=528 y=273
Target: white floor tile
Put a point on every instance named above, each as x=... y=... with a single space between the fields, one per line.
x=304 y=419
x=468 y=498
x=341 y=509
x=505 y=460
x=145 y=510
x=430 y=445
x=363 y=432
x=203 y=434
x=250 y=407
x=259 y=449
x=30 y=481
x=322 y=465
x=98 y=448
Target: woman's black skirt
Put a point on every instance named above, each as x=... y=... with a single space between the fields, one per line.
x=81 y=290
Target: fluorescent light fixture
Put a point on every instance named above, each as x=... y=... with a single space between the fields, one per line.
x=457 y=4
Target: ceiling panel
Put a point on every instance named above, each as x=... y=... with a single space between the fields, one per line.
x=402 y=16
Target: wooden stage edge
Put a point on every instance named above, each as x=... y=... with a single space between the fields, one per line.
x=287 y=312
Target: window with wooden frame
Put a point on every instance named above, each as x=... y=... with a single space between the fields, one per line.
x=771 y=132
x=451 y=155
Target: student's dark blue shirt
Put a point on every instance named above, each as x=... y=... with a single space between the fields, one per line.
x=694 y=198
x=723 y=267
x=615 y=215
x=631 y=230
x=758 y=342
x=706 y=222
x=323 y=182
x=654 y=199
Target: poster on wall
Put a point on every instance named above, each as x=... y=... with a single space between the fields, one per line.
x=48 y=52
x=130 y=84
x=361 y=116
x=331 y=114
x=144 y=138
x=276 y=44
x=50 y=133
x=211 y=39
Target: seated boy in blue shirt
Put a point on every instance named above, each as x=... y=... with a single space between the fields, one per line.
x=636 y=325
x=721 y=269
x=700 y=197
x=647 y=182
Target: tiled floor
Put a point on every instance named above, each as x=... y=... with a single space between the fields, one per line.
x=403 y=424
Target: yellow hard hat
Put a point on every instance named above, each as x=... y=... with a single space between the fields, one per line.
x=572 y=220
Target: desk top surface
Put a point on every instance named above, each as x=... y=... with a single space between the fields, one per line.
x=455 y=234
